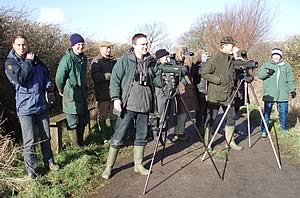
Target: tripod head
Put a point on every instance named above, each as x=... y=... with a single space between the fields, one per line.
x=171 y=75
x=243 y=68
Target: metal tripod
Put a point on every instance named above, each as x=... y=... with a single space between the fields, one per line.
x=163 y=120
x=246 y=84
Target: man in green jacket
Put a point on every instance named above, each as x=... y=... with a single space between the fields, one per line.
x=131 y=90
x=71 y=84
x=219 y=73
x=278 y=83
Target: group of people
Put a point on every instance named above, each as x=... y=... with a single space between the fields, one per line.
x=129 y=89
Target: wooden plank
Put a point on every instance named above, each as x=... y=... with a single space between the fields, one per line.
x=62 y=116
x=57 y=118
x=56 y=130
x=54 y=139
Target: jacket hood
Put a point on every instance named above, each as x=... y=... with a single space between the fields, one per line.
x=131 y=56
x=70 y=53
x=280 y=63
x=94 y=60
x=78 y=58
x=12 y=55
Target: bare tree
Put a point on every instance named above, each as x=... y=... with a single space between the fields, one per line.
x=196 y=37
x=166 y=44
x=156 y=32
x=248 y=22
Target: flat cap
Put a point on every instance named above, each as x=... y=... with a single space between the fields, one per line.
x=227 y=40
x=105 y=44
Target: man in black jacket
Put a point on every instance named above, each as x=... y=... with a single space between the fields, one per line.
x=101 y=69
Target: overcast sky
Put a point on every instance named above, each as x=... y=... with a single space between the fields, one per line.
x=115 y=20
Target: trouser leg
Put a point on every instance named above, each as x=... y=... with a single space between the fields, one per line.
x=44 y=130
x=28 y=135
x=267 y=113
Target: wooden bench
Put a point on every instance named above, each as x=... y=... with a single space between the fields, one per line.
x=56 y=123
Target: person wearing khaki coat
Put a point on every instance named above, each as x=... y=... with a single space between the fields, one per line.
x=219 y=73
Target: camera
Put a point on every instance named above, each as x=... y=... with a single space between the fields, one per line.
x=171 y=80
x=172 y=74
x=240 y=64
x=172 y=68
x=243 y=66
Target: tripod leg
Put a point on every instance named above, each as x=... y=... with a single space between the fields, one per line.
x=217 y=130
x=164 y=139
x=222 y=120
x=198 y=132
x=248 y=112
x=163 y=117
x=265 y=124
x=248 y=124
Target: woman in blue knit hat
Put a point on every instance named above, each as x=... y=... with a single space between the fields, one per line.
x=71 y=84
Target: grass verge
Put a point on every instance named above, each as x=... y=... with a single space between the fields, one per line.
x=289 y=143
x=79 y=174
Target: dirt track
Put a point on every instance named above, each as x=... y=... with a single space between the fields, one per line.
x=248 y=173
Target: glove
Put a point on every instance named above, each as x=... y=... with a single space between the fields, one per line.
x=107 y=76
x=293 y=94
x=50 y=88
x=270 y=71
x=249 y=79
x=50 y=98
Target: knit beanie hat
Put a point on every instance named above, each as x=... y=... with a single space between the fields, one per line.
x=277 y=51
x=161 y=53
x=76 y=38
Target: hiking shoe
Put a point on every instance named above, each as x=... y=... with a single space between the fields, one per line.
x=284 y=130
x=178 y=137
x=31 y=175
x=182 y=137
x=53 y=167
x=263 y=134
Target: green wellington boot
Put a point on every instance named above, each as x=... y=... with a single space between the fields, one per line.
x=229 y=130
x=80 y=135
x=102 y=125
x=111 y=158
x=138 y=158
x=207 y=136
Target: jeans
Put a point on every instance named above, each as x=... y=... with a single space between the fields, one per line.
x=123 y=123
x=283 y=110
x=29 y=123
